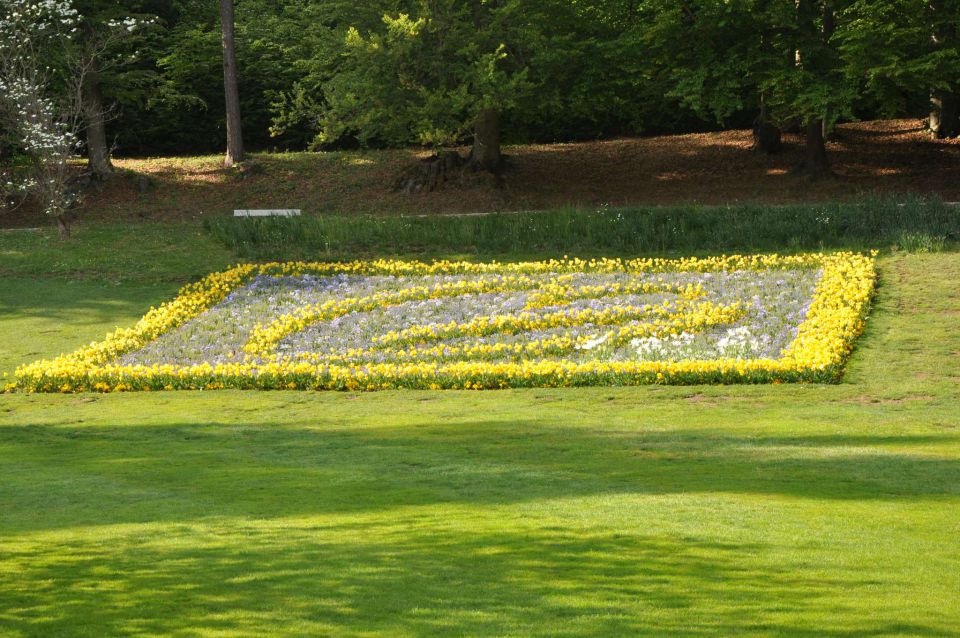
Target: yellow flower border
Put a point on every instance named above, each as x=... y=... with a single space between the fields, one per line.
x=825 y=339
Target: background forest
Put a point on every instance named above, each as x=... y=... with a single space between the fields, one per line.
x=140 y=78
x=335 y=73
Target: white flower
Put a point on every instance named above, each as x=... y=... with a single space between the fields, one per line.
x=739 y=342
x=593 y=343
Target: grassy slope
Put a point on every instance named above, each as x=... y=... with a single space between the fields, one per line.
x=894 y=156
x=776 y=510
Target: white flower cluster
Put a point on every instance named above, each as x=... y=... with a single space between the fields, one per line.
x=655 y=348
x=22 y=186
x=596 y=341
x=38 y=130
x=30 y=115
x=24 y=18
x=129 y=24
x=740 y=343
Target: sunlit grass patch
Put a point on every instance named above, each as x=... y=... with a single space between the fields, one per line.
x=384 y=324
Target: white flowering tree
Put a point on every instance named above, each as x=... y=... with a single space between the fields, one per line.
x=49 y=97
x=40 y=108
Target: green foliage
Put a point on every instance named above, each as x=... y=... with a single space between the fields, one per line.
x=425 y=76
x=395 y=72
x=186 y=110
x=811 y=86
x=594 y=74
x=805 y=61
x=715 y=50
x=420 y=74
x=685 y=230
x=895 y=48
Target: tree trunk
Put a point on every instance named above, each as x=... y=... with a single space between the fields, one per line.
x=486 y=141
x=63 y=226
x=944 y=104
x=98 y=152
x=944 y=114
x=815 y=163
x=231 y=93
x=766 y=135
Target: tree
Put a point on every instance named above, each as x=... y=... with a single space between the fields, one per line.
x=592 y=73
x=813 y=62
x=180 y=103
x=904 y=52
x=231 y=93
x=313 y=57
x=443 y=75
x=104 y=47
x=944 y=15
x=861 y=54
x=98 y=150
x=41 y=108
x=713 y=55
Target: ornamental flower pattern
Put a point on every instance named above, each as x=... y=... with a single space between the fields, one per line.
x=369 y=325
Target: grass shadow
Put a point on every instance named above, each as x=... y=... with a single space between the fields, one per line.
x=267 y=470
x=242 y=529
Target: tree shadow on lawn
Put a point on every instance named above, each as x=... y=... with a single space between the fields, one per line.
x=61 y=476
x=409 y=579
x=252 y=528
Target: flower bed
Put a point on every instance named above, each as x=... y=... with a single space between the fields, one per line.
x=369 y=325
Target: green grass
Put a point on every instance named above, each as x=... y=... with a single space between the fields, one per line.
x=677 y=511
x=913 y=224
x=144 y=253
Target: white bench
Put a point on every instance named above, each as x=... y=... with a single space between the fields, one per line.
x=267 y=212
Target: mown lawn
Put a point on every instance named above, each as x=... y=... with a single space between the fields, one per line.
x=749 y=511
